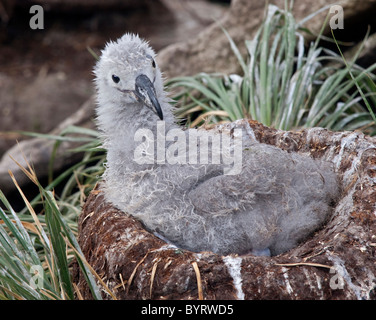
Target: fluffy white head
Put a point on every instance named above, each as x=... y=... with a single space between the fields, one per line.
x=128 y=82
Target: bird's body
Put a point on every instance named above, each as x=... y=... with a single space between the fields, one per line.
x=272 y=201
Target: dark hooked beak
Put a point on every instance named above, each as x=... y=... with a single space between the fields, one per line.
x=145 y=92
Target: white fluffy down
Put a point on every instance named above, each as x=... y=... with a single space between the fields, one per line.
x=276 y=201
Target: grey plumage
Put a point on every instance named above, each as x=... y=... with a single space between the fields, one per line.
x=276 y=201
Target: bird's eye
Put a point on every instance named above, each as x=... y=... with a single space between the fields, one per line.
x=115 y=79
x=152 y=60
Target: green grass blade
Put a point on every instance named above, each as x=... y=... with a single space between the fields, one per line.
x=59 y=247
x=370 y=110
x=58 y=227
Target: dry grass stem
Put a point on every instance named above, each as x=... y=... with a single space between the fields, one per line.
x=135 y=270
x=78 y=292
x=199 y=283
x=153 y=271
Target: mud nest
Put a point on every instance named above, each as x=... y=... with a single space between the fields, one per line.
x=337 y=262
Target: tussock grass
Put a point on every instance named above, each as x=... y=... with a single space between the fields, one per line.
x=36 y=248
x=284 y=84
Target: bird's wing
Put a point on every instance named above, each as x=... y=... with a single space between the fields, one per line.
x=270 y=180
x=225 y=194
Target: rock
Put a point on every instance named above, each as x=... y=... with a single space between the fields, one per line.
x=337 y=262
x=367 y=56
x=45 y=96
x=37 y=151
